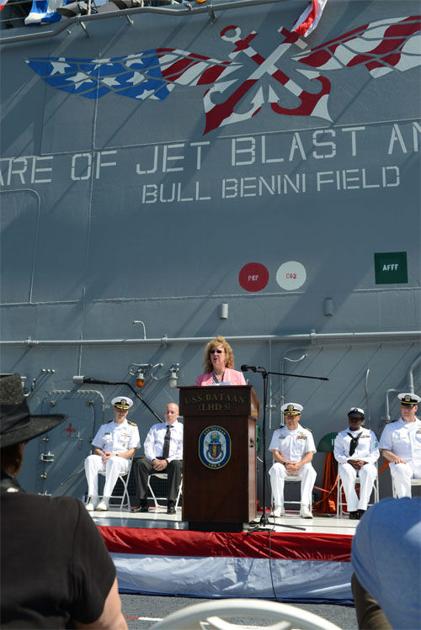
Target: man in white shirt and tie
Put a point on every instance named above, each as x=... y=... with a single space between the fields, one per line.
x=163 y=453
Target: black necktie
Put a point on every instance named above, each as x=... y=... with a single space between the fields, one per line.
x=353 y=443
x=167 y=439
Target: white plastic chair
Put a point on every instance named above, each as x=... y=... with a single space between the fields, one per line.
x=340 y=501
x=156 y=499
x=414 y=483
x=125 y=497
x=193 y=617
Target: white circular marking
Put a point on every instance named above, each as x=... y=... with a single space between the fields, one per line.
x=291 y=275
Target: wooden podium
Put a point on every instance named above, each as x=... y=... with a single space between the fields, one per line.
x=219 y=455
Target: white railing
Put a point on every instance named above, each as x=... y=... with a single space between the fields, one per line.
x=12 y=18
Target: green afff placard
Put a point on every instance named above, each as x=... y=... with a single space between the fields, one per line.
x=391 y=268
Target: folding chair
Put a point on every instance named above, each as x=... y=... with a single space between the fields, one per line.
x=414 y=483
x=163 y=476
x=294 y=479
x=124 y=480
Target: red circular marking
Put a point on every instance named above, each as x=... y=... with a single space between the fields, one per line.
x=253 y=277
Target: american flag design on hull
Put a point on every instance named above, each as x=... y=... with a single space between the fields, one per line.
x=381 y=47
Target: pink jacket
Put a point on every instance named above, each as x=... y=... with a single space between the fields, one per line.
x=233 y=377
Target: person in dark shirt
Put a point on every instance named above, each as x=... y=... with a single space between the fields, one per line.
x=55 y=569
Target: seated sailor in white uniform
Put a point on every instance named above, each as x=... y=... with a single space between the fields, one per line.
x=400 y=444
x=113 y=446
x=292 y=447
x=356 y=451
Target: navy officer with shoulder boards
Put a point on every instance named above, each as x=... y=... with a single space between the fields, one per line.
x=400 y=444
x=113 y=446
x=292 y=447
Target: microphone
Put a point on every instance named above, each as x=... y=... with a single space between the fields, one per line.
x=246 y=368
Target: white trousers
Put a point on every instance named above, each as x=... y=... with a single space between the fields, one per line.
x=278 y=473
x=112 y=468
x=402 y=475
x=367 y=476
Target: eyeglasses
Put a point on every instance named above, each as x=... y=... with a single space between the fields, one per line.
x=216 y=351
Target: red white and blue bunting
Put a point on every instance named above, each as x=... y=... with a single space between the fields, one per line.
x=289 y=567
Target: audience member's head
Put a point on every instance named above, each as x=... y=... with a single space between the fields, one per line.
x=17 y=425
x=386 y=558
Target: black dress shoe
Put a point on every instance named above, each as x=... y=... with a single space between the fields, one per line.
x=354 y=516
x=361 y=513
x=140 y=508
x=171 y=507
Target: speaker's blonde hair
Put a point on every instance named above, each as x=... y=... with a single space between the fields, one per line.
x=211 y=345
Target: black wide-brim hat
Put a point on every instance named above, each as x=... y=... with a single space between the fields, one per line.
x=16 y=422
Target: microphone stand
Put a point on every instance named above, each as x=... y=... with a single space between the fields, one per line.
x=264 y=520
x=96 y=381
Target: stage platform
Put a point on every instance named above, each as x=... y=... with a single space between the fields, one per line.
x=290 y=559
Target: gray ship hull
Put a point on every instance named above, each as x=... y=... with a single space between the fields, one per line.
x=170 y=175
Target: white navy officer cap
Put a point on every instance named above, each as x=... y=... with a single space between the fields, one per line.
x=408 y=399
x=122 y=402
x=356 y=412
x=291 y=408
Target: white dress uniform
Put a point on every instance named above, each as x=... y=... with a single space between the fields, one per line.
x=404 y=440
x=292 y=445
x=112 y=437
x=366 y=450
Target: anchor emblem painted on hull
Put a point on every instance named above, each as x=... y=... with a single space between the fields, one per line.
x=224 y=113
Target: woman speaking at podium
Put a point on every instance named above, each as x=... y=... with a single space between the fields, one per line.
x=219 y=365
